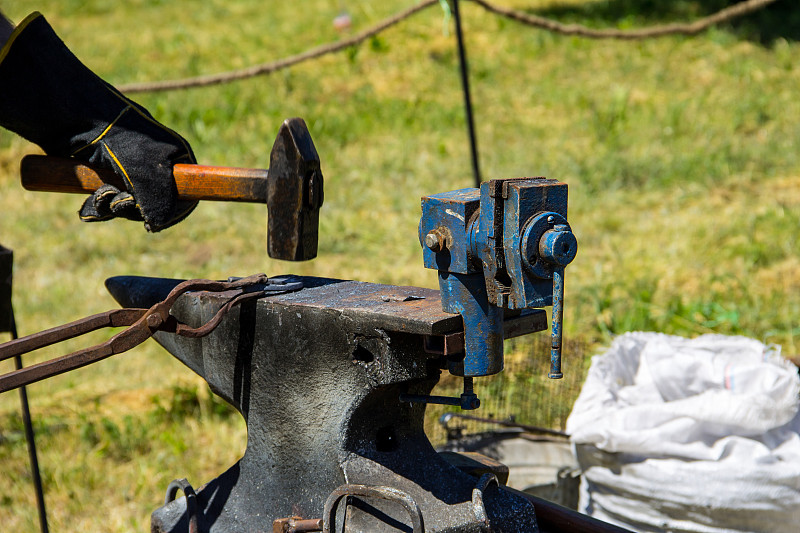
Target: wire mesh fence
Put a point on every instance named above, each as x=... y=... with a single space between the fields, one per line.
x=522 y=393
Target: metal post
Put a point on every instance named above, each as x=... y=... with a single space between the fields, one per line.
x=462 y=60
x=8 y=323
x=30 y=438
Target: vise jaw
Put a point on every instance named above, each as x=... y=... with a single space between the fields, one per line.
x=503 y=246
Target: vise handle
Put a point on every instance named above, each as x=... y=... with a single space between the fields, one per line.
x=194 y=182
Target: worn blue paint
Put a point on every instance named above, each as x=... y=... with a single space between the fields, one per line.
x=529 y=203
x=452 y=211
x=558 y=246
x=483 y=323
x=503 y=246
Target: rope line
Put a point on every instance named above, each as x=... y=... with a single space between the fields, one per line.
x=274 y=66
x=693 y=28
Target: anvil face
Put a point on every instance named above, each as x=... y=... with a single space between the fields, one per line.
x=317 y=375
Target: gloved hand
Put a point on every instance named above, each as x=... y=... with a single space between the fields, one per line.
x=50 y=98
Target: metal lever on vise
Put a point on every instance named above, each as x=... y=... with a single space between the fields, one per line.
x=558 y=247
x=503 y=246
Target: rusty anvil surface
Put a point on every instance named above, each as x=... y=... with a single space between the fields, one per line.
x=317 y=375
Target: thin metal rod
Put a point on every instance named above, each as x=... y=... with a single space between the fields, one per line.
x=30 y=438
x=558 y=319
x=445 y=418
x=424 y=398
x=462 y=60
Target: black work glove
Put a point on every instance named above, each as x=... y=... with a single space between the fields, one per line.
x=50 y=98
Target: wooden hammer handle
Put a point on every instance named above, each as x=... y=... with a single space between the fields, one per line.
x=194 y=182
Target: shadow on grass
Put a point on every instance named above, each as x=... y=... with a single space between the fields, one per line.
x=780 y=20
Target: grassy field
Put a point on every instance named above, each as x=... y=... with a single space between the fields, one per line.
x=682 y=156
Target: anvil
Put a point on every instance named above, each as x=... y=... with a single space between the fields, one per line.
x=318 y=374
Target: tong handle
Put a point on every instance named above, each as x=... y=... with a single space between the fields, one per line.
x=142 y=323
x=108 y=319
x=60 y=365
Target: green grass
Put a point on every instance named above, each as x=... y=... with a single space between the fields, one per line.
x=681 y=155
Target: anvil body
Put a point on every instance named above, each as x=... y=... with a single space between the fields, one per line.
x=317 y=375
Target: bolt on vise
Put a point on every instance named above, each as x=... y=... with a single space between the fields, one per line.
x=503 y=246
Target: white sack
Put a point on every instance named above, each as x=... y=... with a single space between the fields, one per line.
x=698 y=434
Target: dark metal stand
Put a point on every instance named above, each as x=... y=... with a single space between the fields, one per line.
x=30 y=438
x=8 y=323
x=464 y=68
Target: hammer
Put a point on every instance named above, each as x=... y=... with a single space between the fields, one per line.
x=291 y=187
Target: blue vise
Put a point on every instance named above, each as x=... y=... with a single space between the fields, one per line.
x=503 y=246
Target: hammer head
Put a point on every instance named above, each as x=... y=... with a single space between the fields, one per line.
x=294 y=194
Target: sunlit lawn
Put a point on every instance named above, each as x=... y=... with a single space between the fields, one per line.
x=681 y=155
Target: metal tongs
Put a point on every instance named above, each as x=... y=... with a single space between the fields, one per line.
x=142 y=324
